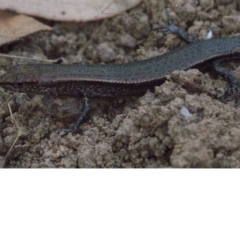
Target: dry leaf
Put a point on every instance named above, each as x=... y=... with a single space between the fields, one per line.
x=14 y=26
x=69 y=10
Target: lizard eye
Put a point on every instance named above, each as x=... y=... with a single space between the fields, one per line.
x=20 y=84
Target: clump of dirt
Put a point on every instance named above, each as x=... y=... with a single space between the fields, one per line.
x=183 y=123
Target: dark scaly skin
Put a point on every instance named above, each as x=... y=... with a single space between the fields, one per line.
x=233 y=90
x=114 y=80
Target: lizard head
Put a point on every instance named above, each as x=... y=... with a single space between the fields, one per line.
x=22 y=78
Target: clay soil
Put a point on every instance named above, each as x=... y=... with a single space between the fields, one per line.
x=185 y=122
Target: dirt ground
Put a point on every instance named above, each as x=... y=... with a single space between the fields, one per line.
x=184 y=123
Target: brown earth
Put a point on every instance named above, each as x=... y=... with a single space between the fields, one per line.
x=150 y=131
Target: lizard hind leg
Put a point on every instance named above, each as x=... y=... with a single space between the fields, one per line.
x=174 y=29
x=233 y=90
